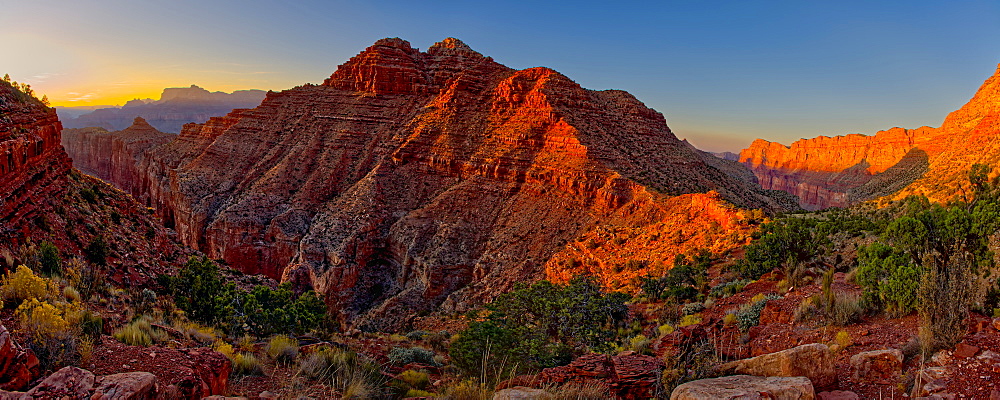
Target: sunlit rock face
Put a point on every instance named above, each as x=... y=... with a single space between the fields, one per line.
x=414 y=180
x=33 y=164
x=843 y=170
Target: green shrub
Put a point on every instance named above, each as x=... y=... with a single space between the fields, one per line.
x=748 y=316
x=51 y=263
x=541 y=325
x=692 y=308
x=405 y=355
x=201 y=292
x=97 y=251
x=417 y=335
x=282 y=349
x=729 y=288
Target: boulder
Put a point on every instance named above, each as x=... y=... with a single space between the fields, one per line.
x=964 y=350
x=17 y=367
x=69 y=382
x=5 y=395
x=879 y=366
x=838 y=395
x=519 y=393
x=746 y=387
x=126 y=386
x=813 y=361
x=626 y=376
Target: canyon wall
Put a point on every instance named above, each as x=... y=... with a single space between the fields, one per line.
x=411 y=181
x=113 y=156
x=844 y=170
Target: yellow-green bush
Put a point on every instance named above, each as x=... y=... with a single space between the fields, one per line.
x=468 y=390
x=282 y=348
x=665 y=330
x=133 y=335
x=23 y=284
x=246 y=364
x=416 y=379
x=690 y=320
x=46 y=320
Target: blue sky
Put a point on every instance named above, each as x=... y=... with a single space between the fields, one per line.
x=723 y=72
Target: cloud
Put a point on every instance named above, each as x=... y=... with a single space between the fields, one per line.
x=44 y=77
x=80 y=97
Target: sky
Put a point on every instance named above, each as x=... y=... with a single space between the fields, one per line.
x=722 y=72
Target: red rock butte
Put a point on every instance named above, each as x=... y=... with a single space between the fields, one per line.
x=844 y=170
x=411 y=181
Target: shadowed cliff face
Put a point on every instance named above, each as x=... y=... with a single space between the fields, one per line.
x=843 y=170
x=414 y=180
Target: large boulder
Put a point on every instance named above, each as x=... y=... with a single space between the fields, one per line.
x=520 y=393
x=625 y=376
x=746 y=387
x=878 y=366
x=17 y=367
x=66 y=383
x=813 y=361
x=126 y=386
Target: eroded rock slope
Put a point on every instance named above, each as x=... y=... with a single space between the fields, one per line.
x=410 y=180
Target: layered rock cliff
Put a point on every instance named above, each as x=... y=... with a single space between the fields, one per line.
x=33 y=164
x=411 y=179
x=844 y=170
x=176 y=107
x=43 y=198
x=113 y=156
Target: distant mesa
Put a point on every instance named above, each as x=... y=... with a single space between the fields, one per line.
x=841 y=171
x=176 y=107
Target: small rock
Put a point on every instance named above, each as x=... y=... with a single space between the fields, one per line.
x=963 y=350
x=519 y=393
x=265 y=395
x=996 y=323
x=125 y=386
x=881 y=366
x=837 y=395
x=942 y=357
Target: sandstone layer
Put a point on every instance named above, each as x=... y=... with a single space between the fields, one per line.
x=410 y=180
x=844 y=170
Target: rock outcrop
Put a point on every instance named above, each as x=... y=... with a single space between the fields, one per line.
x=18 y=366
x=412 y=179
x=844 y=170
x=176 y=107
x=624 y=376
x=43 y=198
x=813 y=361
x=113 y=156
x=745 y=387
x=881 y=366
x=33 y=164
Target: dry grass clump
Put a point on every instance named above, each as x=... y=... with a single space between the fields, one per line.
x=282 y=349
